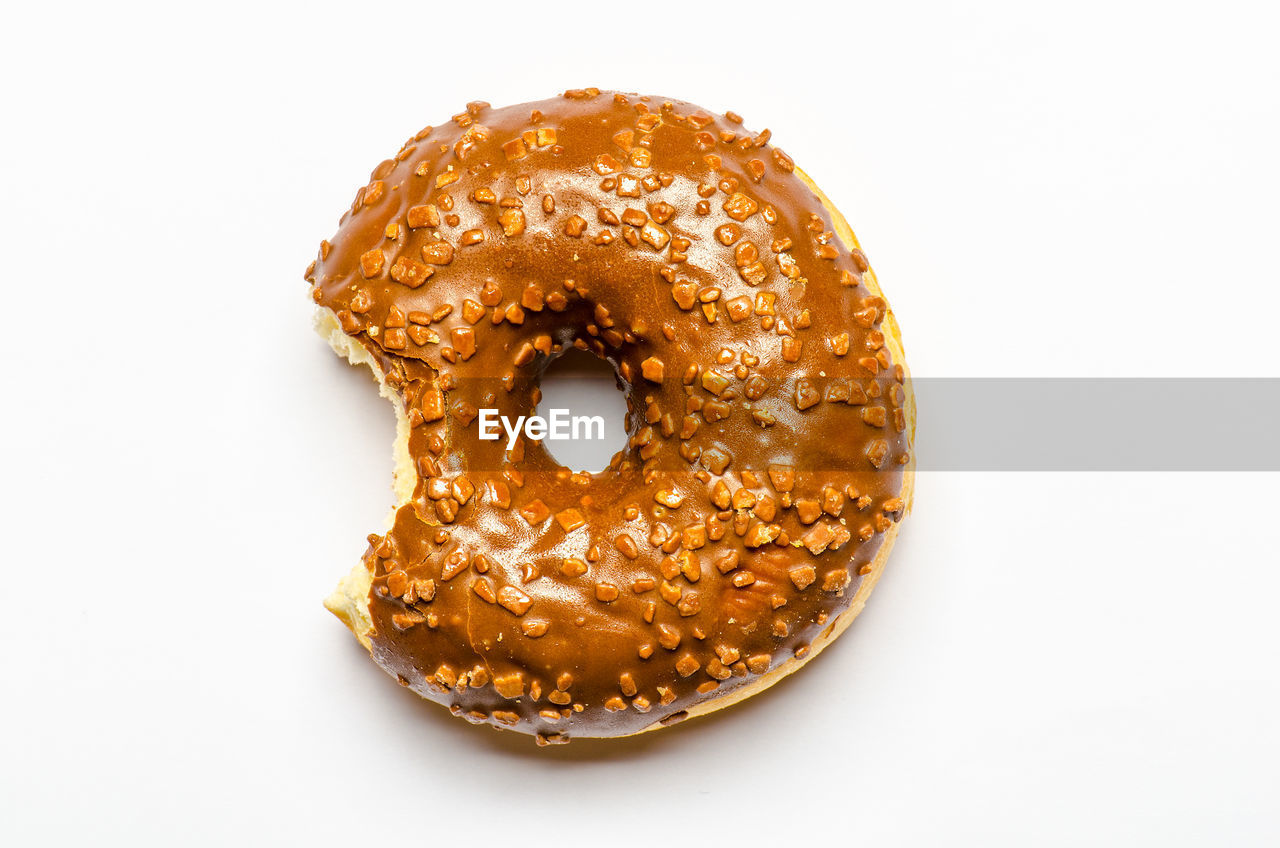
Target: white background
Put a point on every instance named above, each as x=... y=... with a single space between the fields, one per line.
x=1052 y=659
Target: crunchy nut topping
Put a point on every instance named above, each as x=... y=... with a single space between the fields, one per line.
x=627 y=546
x=509 y=685
x=730 y=546
x=410 y=272
x=739 y=207
x=512 y=221
x=535 y=512
x=437 y=252
x=371 y=263
x=484 y=588
x=687 y=665
x=570 y=520
x=573 y=567
x=668 y=499
x=835 y=580
x=652 y=369
x=425 y=215
x=514 y=600
x=654 y=236
x=802 y=576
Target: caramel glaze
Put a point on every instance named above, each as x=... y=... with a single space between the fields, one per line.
x=767 y=434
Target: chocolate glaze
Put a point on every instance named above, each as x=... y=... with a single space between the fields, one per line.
x=766 y=423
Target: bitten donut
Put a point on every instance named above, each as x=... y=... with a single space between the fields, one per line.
x=768 y=455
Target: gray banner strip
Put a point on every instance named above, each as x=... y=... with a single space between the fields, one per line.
x=1116 y=424
x=1035 y=424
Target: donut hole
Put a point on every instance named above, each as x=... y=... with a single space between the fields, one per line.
x=586 y=386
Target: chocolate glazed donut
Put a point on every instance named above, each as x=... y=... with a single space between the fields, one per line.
x=769 y=418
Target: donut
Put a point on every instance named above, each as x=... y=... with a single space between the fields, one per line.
x=767 y=464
